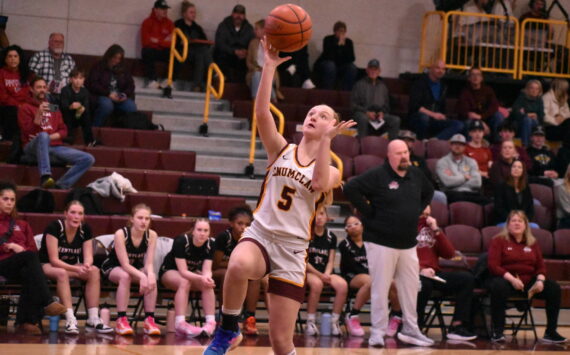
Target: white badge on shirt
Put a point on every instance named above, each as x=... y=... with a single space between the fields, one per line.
x=527 y=250
x=394 y=185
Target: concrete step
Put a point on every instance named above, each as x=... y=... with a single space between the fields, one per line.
x=177 y=94
x=191 y=123
x=233 y=186
x=215 y=146
x=227 y=165
x=178 y=105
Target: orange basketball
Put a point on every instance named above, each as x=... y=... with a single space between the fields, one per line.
x=288 y=28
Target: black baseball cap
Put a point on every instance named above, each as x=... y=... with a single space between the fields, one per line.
x=239 y=9
x=476 y=125
x=161 y=4
x=507 y=126
x=538 y=131
x=374 y=63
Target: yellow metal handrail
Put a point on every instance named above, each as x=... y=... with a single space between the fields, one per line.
x=491 y=42
x=338 y=163
x=211 y=90
x=174 y=54
x=544 y=48
x=430 y=47
x=280 y=129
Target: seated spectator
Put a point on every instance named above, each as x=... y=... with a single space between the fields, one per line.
x=67 y=252
x=432 y=245
x=507 y=133
x=336 y=62
x=477 y=148
x=459 y=175
x=53 y=64
x=75 y=108
x=556 y=110
x=240 y=218
x=111 y=85
x=427 y=106
x=188 y=267
x=514 y=194
x=537 y=10
x=562 y=198
x=42 y=130
x=14 y=91
x=501 y=168
x=543 y=159
x=19 y=262
x=320 y=269
x=477 y=102
x=255 y=60
x=528 y=110
x=563 y=156
x=131 y=259
x=370 y=103
x=156 y=36
x=199 y=54
x=296 y=72
x=517 y=268
x=230 y=50
x=354 y=269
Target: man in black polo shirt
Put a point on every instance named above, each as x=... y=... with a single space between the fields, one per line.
x=391 y=198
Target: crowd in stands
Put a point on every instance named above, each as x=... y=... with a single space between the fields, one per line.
x=44 y=100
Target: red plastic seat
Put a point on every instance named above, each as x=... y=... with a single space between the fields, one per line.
x=436 y=148
x=13 y=173
x=542 y=217
x=555 y=269
x=327 y=97
x=118 y=222
x=488 y=233
x=544 y=194
x=159 y=140
x=171 y=227
x=178 y=160
x=431 y=163
x=464 y=238
x=374 y=145
x=158 y=202
x=295 y=95
x=224 y=204
x=440 y=213
x=562 y=242
x=419 y=148
x=365 y=162
x=141 y=159
x=106 y=156
x=39 y=221
x=217 y=227
x=112 y=205
x=348 y=166
x=99 y=224
x=162 y=181
x=545 y=240
x=117 y=137
x=345 y=145
x=189 y=205
x=467 y=213
x=489 y=213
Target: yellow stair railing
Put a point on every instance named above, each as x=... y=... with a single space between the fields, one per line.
x=433 y=37
x=211 y=90
x=174 y=54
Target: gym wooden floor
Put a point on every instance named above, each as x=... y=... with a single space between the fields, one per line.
x=96 y=344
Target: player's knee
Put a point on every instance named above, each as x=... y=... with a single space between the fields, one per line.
x=125 y=279
x=61 y=275
x=94 y=273
x=184 y=284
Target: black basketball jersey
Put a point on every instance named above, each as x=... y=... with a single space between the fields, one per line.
x=353 y=259
x=71 y=253
x=135 y=254
x=319 y=249
x=183 y=248
x=225 y=243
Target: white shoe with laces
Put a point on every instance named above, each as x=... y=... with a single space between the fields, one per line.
x=415 y=337
x=71 y=327
x=335 y=329
x=311 y=328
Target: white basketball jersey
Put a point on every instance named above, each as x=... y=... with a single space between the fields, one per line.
x=287 y=203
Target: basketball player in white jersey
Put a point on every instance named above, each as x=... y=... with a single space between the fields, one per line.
x=298 y=179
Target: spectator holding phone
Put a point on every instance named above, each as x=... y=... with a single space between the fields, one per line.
x=75 y=107
x=42 y=130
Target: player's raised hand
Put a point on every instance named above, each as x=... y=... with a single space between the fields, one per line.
x=336 y=128
x=271 y=54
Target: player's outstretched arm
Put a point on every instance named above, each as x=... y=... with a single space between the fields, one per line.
x=270 y=137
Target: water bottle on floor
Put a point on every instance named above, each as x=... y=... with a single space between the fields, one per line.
x=326 y=324
x=53 y=323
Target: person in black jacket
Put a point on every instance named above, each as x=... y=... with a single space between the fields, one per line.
x=514 y=194
x=199 y=56
x=232 y=38
x=427 y=106
x=75 y=108
x=337 y=60
x=543 y=169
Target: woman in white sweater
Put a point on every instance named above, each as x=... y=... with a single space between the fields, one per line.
x=556 y=110
x=562 y=195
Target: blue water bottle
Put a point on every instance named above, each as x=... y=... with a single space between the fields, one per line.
x=53 y=323
x=326 y=324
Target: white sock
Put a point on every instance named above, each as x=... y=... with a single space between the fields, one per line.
x=69 y=316
x=311 y=317
x=210 y=318
x=179 y=319
x=231 y=312
x=335 y=317
x=292 y=352
x=93 y=314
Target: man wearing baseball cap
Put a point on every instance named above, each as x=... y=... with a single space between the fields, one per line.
x=156 y=35
x=477 y=148
x=543 y=160
x=370 y=103
x=507 y=133
x=459 y=175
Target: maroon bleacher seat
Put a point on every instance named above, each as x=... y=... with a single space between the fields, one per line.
x=39 y=221
x=118 y=222
x=544 y=194
x=224 y=204
x=545 y=240
x=374 y=145
x=436 y=148
x=344 y=98
x=171 y=227
x=236 y=91
x=141 y=159
x=489 y=214
x=488 y=233
x=152 y=139
x=467 y=213
x=347 y=165
x=32 y=175
x=365 y=162
x=158 y=202
x=542 y=217
x=242 y=108
x=13 y=173
x=135 y=176
x=464 y=238
x=555 y=269
x=295 y=95
x=162 y=181
x=189 y=205
x=562 y=242
x=106 y=156
x=217 y=227
x=431 y=163
x=117 y=137
x=177 y=160
x=99 y=224
x=112 y=205
x=345 y=145
x=91 y=175
x=289 y=111
x=319 y=97
x=419 y=148
x=440 y=213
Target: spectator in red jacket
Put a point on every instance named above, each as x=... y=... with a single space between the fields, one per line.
x=156 y=35
x=432 y=245
x=507 y=133
x=14 y=90
x=516 y=264
x=19 y=262
x=42 y=130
